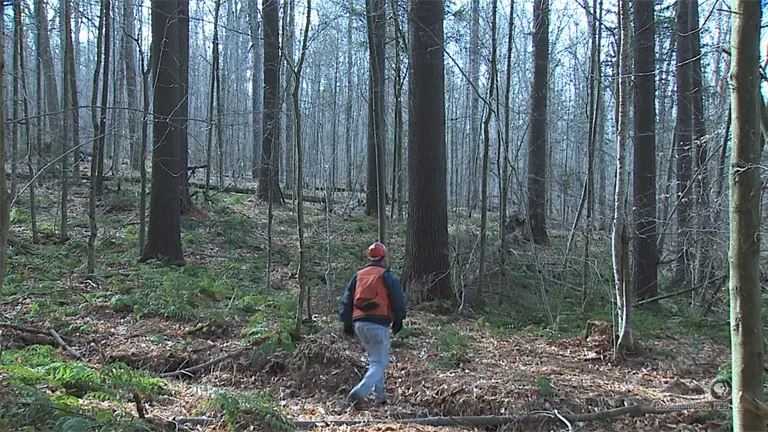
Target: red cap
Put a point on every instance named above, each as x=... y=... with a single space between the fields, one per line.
x=377 y=251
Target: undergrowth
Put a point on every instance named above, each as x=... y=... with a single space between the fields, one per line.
x=54 y=395
x=244 y=409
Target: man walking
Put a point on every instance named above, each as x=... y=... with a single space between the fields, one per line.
x=372 y=303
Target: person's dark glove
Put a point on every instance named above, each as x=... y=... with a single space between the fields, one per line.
x=349 y=329
x=396 y=327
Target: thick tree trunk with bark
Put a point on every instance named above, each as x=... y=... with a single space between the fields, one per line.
x=164 y=234
x=683 y=132
x=744 y=254
x=426 y=269
x=644 y=193
x=537 y=147
x=269 y=179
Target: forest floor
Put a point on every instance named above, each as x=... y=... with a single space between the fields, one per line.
x=131 y=323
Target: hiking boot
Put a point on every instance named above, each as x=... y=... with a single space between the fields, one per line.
x=354 y=399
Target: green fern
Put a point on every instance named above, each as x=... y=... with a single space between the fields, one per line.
x=249 y=408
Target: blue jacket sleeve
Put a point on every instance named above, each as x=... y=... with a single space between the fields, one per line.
x=345 y=310
x=396 y=296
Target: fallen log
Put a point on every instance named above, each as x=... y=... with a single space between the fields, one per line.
x=485 y=421
x=33 y=330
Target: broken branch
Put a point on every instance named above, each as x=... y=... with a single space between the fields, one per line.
x=66 y=347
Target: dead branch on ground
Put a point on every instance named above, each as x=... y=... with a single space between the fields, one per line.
x=62 y=344
x=32 y=330
x=483 y=421
x=191 y=370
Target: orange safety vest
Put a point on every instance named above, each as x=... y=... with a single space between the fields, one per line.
x=371 y=295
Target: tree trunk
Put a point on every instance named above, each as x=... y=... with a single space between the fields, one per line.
x=129 y=63
x=257 y=87
x=348 y=114
x=746 y=321
x=182 y=113
x=376 y=21
x=51 y=93
x=290 y=110
x=595 y=96
x=164 y=234
x=487 y=147
x=426 y=269
x=537 y=149
x=66 y=96
x=216 y=75
x=644 y=170
x=683 y=131
x=269 y=179
x=145 y=86
x=104 y=99
x=620 y=236
x=211 y=97
x=4 y=210
x=19 y=27
x=397 y=158
x=504 y=198
x=303 y=287
x=700 y=139
x=474 y=124
x=92 y=192
x=15 y=101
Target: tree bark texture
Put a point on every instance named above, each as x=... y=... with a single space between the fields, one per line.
x=644 y=170
x=269 y=179
x=426 y=269
x=164 y=233
x=537 y=147
x=744 y=252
